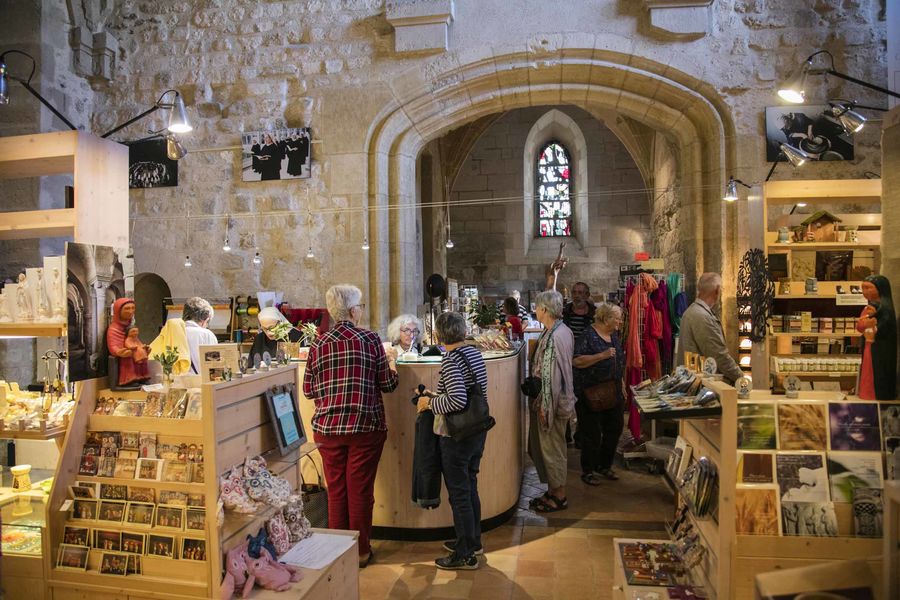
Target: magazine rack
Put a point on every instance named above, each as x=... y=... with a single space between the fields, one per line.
x=235 y=424
x=732 y=561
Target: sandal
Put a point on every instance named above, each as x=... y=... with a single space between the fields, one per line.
x=535 y=502
x=544 y=505
x=591 y=478
x=609 y=474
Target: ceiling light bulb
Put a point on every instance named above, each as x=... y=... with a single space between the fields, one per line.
x=187 y=261
x=730 y=190
x=365 y=244
x=797 y=156
x=794 y=89
x=257 y=259
x=309 y=253
x=226 y=247
x=178 y=121
x=449 y=243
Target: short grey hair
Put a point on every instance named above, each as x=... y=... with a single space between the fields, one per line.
x=606 y=311
x=516 y=294
x=450 y=328
x=339 y=299
x=393 y=330
x=197 y=309
x=708 y=283
x=552 y=302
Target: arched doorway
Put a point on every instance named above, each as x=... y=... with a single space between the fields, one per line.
x=149 y=291
x=431 y=102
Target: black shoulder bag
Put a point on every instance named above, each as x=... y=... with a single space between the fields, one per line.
x=475 y=417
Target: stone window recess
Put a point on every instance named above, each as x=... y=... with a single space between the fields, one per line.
x=553 y=181
x=94 y=54
x=555 y=129
x=420 y=26
x=680 y=19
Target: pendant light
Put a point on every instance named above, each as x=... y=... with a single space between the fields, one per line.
x=187 y=261
x=731 y=193
x=257 y=259
x=365 y=244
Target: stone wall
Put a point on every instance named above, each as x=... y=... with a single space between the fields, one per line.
x=890 y=253
x=490 y=245
x=246 y=66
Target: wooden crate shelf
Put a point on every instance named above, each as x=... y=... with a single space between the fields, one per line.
x=32 y=329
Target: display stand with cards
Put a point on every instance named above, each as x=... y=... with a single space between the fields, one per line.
x=134 y=510
x=800 y=483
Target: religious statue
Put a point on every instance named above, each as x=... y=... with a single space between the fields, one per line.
x=878 y=324
x=23 y=301
x=59 y=297
x=44 y=309
x=129 y=373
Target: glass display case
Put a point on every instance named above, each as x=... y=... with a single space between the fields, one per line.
x=22 y=518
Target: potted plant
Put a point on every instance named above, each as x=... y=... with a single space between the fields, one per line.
x=286 y=348
x=167 y=359
x=485 y=315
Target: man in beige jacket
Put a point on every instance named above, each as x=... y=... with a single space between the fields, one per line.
x=701 y=330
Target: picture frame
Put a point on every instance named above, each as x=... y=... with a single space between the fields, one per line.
x=285 y=418
x=195 y=519
x=72 y=557
x=140 y=514
x=811 y=128
x=141 y=494
x=169 y=517
x=214 y=359
x=107 y=539
x=76 y=536
x=114 y=563
x=193 y=549
x=81 y=493
x=161 y=545
x=133 y=543
x=177 y=472
x=149 y=165
x=113 y=491
x=112 y=511
x=84 y=510
x=149 y=469
x=276 y=154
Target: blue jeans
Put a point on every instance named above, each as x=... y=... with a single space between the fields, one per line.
x=460 y=461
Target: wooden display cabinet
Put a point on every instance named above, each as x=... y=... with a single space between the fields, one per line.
x=235 y=424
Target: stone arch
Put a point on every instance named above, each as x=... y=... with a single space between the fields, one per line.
x=456 y=89
x=556 y=125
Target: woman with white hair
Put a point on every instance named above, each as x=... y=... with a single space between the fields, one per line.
x=404 y=333
x=265 y=345
x=555 y=403
x=196 y=314
x=346 y=372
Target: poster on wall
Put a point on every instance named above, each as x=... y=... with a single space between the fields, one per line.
x=97 y=277
x=276 y=154
x=149 y=166
x=811 y=128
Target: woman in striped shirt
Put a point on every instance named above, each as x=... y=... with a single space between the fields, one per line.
x=461 y=368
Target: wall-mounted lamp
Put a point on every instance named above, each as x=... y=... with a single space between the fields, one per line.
x=795 y=156
x=850 y=120
x=6 y=75
x=794 y=89
x=731 y=192
x=178 y=121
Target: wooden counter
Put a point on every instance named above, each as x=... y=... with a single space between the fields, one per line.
x=395 y=516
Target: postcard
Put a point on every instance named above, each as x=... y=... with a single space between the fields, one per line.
x=107 y=466
x=161 y=545
x=170 y=517
x=173 y=498
x=142 y=494
x=76 y=536
x=107 y=539
x=140 y=514
x=802 y=477
x=131 y=440
x=112 y=491
x=868 y=512
x=135 y=564
x=816 y=519
x=72 y=557
x=177 y=472
x=756 y=426
x=854 y=426
x=112 y=511
x=802 y=426
x=133 y=543
x=756 y=510
x=114 y=563
x=125 y=468
x=195 y=519
x=755 y=467
x=147 y=445
x=849 y=470
x=77 y=491
x=193 y=549
x=84 y=510
x=890 y=426
x=149 y=469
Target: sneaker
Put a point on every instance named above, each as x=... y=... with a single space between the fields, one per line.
x=451 y=547
x=455 y=562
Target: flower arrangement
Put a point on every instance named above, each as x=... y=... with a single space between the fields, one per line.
x=167 y=359
x=310 y=332
x=282 y=331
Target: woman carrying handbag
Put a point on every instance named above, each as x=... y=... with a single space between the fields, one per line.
x=599 y=365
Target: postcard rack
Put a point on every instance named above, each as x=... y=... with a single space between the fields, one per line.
x=235 y=424
x=732 y=561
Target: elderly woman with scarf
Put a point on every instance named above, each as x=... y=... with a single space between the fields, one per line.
x=130 y=372
x=550 y=411
x=878 y=324
x=265 y=344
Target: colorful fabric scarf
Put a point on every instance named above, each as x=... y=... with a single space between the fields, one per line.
x=548 y=363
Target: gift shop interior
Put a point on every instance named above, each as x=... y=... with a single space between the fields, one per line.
x=387 y=300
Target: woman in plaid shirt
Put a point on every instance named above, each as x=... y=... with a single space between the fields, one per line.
x=346 y=372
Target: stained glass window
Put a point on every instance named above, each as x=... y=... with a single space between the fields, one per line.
x=554 y=189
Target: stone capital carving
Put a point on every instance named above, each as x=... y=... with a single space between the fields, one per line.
x=420 y=25
x=680 y=19
x=93 y=54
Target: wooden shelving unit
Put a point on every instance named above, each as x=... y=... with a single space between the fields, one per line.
x=99 y=168
x=866 y=252
x=236 y=424
x=32 y=329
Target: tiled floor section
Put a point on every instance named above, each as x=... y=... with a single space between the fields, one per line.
x=567 y=556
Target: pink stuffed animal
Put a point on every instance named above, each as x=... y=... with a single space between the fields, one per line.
x=235 y=571
x=269 y=574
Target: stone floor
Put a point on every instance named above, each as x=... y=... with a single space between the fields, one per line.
x=566 y=555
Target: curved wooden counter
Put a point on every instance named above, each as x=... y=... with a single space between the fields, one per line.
x=395 y=516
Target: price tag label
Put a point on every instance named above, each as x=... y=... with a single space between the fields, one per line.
x=850 y=300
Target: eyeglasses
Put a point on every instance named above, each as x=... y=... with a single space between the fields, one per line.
x=408 y=330
x=359 y=306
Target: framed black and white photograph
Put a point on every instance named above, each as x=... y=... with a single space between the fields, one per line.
x=811 y=128
x=276 y=154
x=149 y=166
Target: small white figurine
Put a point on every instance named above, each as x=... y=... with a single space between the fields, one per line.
x=792 y=386
x=4 y=308
x=59 y=297
x=23 y=302
x=44 y=311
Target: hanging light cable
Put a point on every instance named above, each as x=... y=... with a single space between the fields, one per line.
x=309 y=251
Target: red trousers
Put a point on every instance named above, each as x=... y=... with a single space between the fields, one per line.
x=351 y=462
